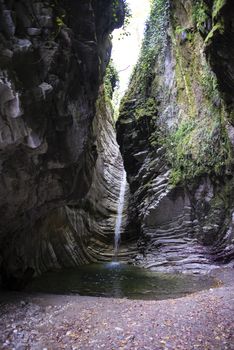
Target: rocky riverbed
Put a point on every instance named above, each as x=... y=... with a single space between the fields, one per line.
x=203 y=320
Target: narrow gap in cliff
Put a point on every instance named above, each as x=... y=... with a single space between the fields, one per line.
x=111 y=279
x=125 y=51
x=127 y=43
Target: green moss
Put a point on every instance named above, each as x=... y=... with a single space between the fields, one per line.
x=209 y=83
x=200 y=14
x=185 y=91
x=175 y=177
x=179 y=30
x=184 y=74
x=199 y=144
x=196 y=148
x=146 y=108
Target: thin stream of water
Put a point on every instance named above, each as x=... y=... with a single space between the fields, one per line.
x=118 y=223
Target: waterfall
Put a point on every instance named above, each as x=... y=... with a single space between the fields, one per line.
x=120 y=214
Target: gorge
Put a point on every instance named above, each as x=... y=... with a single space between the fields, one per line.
x=65 y=198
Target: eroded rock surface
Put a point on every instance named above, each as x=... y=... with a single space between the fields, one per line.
x=82 y=231
x=176 y=136
x=53 y=57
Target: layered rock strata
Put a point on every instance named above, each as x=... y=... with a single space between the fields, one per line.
x=83 y=231
x=176 y=136
x=52 y=61
x=95 y=218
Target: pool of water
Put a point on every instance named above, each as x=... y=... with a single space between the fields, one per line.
x=120 y=281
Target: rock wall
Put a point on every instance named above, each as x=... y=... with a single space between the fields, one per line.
x=52 y=61
x=82 y=231
x=95 y=217
x=176 y=136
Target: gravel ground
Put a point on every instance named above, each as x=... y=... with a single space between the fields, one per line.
x=204 y=321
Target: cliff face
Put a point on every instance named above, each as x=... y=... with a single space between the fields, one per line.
x=82 y=231
x=94 y=219
x=176 y=136
x=52 y=61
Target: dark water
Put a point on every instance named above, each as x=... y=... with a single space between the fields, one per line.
x=119 y=280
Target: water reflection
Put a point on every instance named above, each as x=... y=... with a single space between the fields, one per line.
x=119 y=280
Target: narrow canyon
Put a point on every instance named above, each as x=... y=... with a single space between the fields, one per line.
x=140 y=193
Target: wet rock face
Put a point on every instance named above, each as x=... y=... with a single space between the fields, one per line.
x=52 y=60
x=176 y=136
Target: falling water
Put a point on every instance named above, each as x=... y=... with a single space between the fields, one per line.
x=120 y=214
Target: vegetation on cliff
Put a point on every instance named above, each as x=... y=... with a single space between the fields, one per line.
x=153 y=46
x=174 y=81
x=111 y=80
